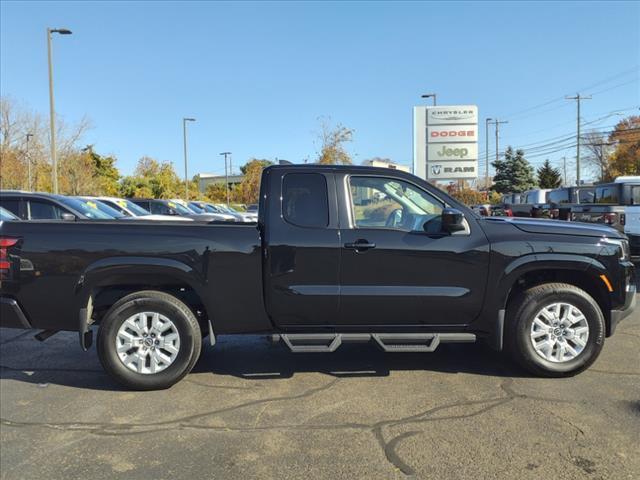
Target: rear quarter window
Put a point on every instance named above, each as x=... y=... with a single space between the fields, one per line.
x=305 y=200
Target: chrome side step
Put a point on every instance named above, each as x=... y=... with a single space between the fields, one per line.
x=389 y=342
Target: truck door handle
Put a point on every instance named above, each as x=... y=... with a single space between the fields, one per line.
x=360 y=245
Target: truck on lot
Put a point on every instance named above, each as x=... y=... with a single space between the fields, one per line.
x=339 y=254
x=617 y=205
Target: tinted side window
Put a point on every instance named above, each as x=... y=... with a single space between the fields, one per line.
x=43 y=210
x=159 y=208
x=607 y=195
x=11 y=204
x=635 y=195
x=305 y=201
x=558 y=196
x=586 y=195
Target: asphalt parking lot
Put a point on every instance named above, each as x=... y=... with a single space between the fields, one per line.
x=253 y=410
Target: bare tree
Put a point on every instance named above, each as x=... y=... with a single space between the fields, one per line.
x=599 y=154
x=333 y=140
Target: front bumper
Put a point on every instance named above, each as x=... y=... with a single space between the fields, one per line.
x=11 y=315
x=629 y=305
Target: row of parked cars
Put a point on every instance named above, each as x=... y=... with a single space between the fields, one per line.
x=616 y=204
x=19 y=205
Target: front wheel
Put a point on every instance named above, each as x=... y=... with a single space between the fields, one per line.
x=555 y=330
x=149 y=340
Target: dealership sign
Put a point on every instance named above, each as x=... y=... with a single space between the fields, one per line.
x=452 y=151
x=453 y=133
x=452 y=170
x=453 y=115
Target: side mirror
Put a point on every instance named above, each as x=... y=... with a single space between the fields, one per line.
x=68 y=217
x=452 y=220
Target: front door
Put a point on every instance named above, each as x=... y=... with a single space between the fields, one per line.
x=397 y=267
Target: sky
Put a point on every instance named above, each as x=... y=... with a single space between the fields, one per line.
x=260 y=78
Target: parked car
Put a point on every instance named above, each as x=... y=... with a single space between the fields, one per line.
x=562 y=200
x=483 y=210
x=632 y=213
x=203 y=207
x=246 y=216
x=46 y=206
x=322 y=267
x=7 y=216
x=130 y=209
x=169 y=207
x=533 y=203
x=202 y=213
x=610 y=204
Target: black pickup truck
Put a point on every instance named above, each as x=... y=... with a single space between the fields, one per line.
x=339 y=254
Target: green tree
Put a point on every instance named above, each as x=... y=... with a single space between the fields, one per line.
x=514 y=174
x=549 y=177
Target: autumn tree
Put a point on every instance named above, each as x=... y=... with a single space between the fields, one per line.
x=333 y=140
x=625 y=138
x=249 y=189
x=549 y=177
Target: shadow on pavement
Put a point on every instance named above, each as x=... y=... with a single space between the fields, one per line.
x=256 y=358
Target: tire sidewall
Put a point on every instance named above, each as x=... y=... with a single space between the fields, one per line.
x=109 y=356
x=594 y=318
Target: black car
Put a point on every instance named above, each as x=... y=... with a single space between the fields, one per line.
x=46 y=206
x=339 y=254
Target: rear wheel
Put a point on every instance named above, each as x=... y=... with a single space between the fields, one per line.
x=555 y=330
x=149 y=340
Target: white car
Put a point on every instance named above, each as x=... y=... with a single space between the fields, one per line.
x=130 y=209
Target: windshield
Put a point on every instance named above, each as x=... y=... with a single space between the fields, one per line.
x=181 y=209
x=88 y=208
x=7 y=215
x=196 y=208
x=103 y=207
x=124 y=205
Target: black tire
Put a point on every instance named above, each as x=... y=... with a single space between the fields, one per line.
x=153 y=301
x=520 y=316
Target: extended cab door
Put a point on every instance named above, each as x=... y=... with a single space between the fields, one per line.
x=393 y=272
x=301 y=246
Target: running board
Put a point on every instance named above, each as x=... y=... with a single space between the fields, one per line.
x=389 y=342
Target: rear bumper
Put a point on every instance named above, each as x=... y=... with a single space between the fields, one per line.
x=629 y=305
x=11 y=315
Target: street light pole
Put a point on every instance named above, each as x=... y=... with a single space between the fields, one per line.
x=184 y=140
x=226 y=173
x=28 y=158
x=497 y=123
x=430 y=95
x=486 y=153
x=52 y=111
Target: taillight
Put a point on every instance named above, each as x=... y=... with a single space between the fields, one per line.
x=610 y=218
x=5 y=263
x=509 y=212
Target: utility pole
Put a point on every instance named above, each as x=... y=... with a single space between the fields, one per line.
x=486 y=153
x=497 y=123
x=28 y=158
x=577 y=98
x=226 y=173
x=184 y=140
x=564 y=166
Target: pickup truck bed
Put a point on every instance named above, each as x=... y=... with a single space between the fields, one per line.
x=339 y=254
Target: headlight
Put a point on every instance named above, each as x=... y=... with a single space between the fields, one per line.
x=623 y=246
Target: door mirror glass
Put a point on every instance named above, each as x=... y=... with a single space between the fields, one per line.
x=68 y=217
x=452 y=220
